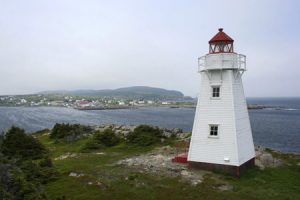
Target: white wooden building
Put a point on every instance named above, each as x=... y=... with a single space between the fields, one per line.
x=221 y=137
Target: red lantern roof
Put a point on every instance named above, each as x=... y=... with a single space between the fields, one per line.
x=221 y=37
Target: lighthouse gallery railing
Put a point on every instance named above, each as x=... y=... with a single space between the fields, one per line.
x=222 y=61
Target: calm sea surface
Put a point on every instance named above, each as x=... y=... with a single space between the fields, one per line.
x=274 y=128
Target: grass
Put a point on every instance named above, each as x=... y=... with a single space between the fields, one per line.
x=271 y=183
x=125 y=183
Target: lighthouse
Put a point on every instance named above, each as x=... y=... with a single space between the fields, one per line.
x=221 y=136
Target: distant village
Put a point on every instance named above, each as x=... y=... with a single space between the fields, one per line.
x=86 y=103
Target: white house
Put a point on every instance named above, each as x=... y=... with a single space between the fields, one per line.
x=23 y=101
x=121 y=103
x=141 y=102
x=150 y=102
x=221 y=137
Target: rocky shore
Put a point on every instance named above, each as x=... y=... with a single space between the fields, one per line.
x=123 y=130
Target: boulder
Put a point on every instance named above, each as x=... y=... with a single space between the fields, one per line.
x=167 y=134
x=225 y=187
x=183 y=135
x=125 y=133
x=196 y=182
x=267 y=160
x=259 y=164
x=185 y=173
x=176 y=130
x=73 y=174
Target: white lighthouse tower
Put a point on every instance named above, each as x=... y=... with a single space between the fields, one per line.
x=222 y=136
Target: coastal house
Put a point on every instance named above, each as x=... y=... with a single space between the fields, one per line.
x=221 y=137
x=84 y=104
x=121 y=103
x=141 y=102
x=150 y=102
x=57 y=103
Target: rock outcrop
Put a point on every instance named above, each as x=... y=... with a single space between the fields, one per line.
x=123 y=130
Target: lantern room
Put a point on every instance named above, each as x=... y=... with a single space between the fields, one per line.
x=221 y=43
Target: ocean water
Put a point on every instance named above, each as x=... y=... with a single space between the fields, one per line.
x=275 y=128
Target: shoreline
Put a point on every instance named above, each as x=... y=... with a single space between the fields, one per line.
x=249 y=106
x=181 y=134
x=33 y=119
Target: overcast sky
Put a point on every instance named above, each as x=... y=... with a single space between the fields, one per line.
x=94 y=44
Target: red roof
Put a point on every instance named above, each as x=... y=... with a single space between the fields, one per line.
x=221 y=37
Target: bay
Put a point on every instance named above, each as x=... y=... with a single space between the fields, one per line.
x=275 y=128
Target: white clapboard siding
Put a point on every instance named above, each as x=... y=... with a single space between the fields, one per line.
x=234 y=141
x=243 y=129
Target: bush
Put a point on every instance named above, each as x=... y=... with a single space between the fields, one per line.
x=46 y=130
x=69 y=132
x=37 y=173
x=24 y=166
x=16 y=143
x=46 y=162
x=91 y=144
x=107 y=138
x=14 y=184
x=145 y=135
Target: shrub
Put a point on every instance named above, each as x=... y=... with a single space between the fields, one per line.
x=145 y=135
x=107 y=138
x=14 y=184
x=91 y=144
x=36 y=173
x=46 y=130
x=69 y=132
x=17 y=143
x=46 y=162
x=24 y=166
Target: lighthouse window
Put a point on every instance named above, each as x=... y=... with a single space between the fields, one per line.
x=213 y=130
x=216 y=91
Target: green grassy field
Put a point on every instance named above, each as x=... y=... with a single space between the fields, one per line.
x=104 y=180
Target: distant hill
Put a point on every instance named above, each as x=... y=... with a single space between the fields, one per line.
x=136 y=92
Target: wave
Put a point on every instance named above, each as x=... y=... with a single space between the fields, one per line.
x=290 y=109
x=287 y=109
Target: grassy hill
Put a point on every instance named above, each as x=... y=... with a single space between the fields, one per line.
x=136 y=92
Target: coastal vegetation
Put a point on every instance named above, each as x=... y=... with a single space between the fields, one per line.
x=100 y=140
x=69 y=132
x=25 y=166
x=123 y=165
x=144 y=135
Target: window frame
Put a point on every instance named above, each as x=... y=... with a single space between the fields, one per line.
x=217 y=131
x=212 y=92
